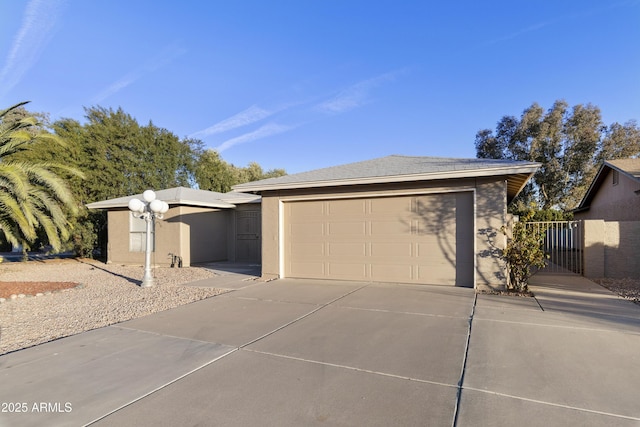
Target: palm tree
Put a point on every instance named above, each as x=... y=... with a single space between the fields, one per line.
x=33 y=198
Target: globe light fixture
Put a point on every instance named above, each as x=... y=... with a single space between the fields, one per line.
x=148 y=209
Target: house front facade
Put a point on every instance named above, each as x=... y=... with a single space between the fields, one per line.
x=394 y=219
x=200 y=226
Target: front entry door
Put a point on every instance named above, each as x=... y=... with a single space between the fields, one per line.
x=248 y=242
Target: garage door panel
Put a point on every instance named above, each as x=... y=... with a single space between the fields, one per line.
x=437 y=274
x=385 y=228
x=339 y=208
x=343 y=249
x=307 y=250
x=306 y=230
x=386 y=249
x=392 y=273
x=350 y=228
x=413 y=239
x=306 y=209
x=307 y=269
x=352 y=271
x=391 y=205
x=427 y=249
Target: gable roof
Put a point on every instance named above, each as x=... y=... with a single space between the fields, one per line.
x=397 y=168
x=185 y=196
x=627 y=167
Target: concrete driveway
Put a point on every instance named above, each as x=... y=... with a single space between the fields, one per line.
x=304 y=352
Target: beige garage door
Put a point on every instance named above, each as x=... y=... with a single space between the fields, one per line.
x=408 y=239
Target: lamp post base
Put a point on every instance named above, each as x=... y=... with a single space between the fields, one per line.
x=147 y=283
x=147 y=279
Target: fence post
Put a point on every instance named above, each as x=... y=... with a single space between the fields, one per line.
x=593 y=245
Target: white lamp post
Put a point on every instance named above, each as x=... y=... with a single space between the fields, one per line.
x=149 y=209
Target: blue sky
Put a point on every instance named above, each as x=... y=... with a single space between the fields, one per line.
x=304 y=84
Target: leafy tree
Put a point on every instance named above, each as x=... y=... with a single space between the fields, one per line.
x=570 y=144
x=214 y=174
x=120 y=157
x=33 y=197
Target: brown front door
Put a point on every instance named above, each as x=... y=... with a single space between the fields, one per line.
x=248 y=242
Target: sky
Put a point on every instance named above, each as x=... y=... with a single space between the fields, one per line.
x=306 y=84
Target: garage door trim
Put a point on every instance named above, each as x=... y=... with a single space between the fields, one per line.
x=368 y=195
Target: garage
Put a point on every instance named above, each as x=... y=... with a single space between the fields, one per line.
x=403 y=219
x=409 y=239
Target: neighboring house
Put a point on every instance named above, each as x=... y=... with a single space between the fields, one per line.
x=614 y=194
x=393 y=219
x=200 y=226
x=610 y=211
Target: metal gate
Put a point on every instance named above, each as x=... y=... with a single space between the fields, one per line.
x=562 y=243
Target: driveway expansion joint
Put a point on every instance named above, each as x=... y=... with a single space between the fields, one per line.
x=456 y=410
x=558 y=405
x=318 y=308
x=351 y=368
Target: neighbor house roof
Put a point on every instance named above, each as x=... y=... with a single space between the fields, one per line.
x=185 y=196
x=627 y=167
x=400 y=169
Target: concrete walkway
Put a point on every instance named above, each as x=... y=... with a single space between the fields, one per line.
x=568 y=357
x=310 y=352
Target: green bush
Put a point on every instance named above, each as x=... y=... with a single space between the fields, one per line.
x=523 y=252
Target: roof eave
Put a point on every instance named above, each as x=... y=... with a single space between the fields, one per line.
x=218 y=205
x=593 y=188
x=432 y=176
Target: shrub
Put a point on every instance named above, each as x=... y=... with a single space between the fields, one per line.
x=523 y=252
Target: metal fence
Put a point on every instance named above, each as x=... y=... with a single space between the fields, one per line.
x=562 y=243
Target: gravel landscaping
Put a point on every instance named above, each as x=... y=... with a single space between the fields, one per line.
x=626 y=288
x=74 y=296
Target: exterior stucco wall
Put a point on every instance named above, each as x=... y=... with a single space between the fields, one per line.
x=206 y=230
x=614 y=202
x=611 y=248
x=593 y=235
x=490 y=215
x=195 y=234
x=167 y=235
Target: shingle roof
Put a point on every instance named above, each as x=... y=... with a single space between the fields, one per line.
x=185 y=196
x=630 y=167
x=397 y=168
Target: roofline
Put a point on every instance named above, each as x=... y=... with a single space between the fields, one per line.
x=431 y=176
x=612 y=166
x=597 y=182
x=125 y=204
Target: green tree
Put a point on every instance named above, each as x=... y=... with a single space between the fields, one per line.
x=214 y=174
x=570 y=144
x=33 y=198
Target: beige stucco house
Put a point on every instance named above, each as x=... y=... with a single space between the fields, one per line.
x=614 y=194
x=200 y=226
x=393 y=219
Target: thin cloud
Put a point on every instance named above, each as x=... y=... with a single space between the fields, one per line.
x=262 y=132
x=516 y=34
x=301 y=112
x=354 y=96
x=250 y=115
x=35 y=32
x=167 y=55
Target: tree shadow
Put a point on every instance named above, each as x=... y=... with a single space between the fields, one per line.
x=492 y=250
x=127 y=278
x=449 y=219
